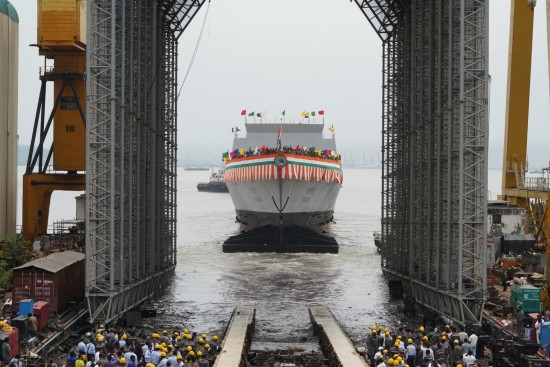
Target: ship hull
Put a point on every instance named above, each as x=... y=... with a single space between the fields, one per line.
x=284 y=203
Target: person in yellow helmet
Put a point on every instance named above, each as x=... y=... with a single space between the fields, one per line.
x=122 y=361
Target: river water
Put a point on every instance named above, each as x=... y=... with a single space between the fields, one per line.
x=208 y=283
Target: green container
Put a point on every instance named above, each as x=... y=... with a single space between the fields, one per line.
x=526 y=296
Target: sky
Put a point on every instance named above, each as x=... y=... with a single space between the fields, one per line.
x=294 y=55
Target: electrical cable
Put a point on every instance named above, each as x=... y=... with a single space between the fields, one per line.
x=195 y=51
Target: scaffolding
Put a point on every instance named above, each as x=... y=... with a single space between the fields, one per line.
x=434 y=150
x=131 y=144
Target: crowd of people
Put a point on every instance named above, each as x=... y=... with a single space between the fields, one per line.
x=287 y=149
x=420 y=348
x=137 y=348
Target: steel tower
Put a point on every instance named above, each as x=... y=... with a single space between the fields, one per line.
x=131 y=144
x=434 y=150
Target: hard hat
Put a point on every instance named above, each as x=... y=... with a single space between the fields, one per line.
x=165 y=331
x=158 y=346
x=155 y=335
x=395 y=356
x=447 y=327
x=179 y=357
x=122 y=360
x=373 y=331
x=178 y=338
x=396 y=344
x=163 y=354
x=163 y=344
x=387 y=333
x=421 y=328
x=199 y=353
x=203 y=336
x=399 y=359
x=100 y=339
x=97 y=335
x=456 y=341
x=380 y=327
x=396 y=362
x=2 y=323
x=191 y=353
x=443 y=337
x=206 y=346
x=149 y=365
x=215 y=337
x=176 y=333
x=386 y=330
x=458 y=365
x=189 y=348
x=165 y=350
x=425 y=337
x=390 y=361
x=201 y=340
x=124 y=337
x=410 y=341
x=189 y=337
x=185 y=331
x=399 y=337
x=385 y=351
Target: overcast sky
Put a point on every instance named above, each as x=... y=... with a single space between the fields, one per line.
x=269 y=56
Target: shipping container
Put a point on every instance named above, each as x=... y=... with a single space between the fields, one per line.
x=13 y=340
x=526 y=296
x=42 y=313
x=57 y=279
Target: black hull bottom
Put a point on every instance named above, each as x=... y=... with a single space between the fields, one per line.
x=281 y=239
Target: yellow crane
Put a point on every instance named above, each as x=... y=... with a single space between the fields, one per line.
x=531 y=193
x=61 y=37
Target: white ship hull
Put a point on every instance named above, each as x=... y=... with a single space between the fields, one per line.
x=284 y=202
x=301 y=192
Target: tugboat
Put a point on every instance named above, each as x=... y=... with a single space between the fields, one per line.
x=284 y=196
x=215 y=184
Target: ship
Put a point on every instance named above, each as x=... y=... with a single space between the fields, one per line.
x=215 y=184
x=284 y=180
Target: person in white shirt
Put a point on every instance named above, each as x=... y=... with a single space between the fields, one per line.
x=473 y=342
x=538 y=325
x=468 y=359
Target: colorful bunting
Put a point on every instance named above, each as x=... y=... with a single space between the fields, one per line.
x=243 y=112
x=251 y=114
x=321 y=113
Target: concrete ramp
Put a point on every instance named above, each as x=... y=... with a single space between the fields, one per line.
x=236 y=342
x=334 y=342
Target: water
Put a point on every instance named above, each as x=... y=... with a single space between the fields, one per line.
x=208 y=283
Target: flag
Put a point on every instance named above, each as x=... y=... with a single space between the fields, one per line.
x=262 y=149
x=331 y=128
x=297 y=149
x=303 y=113
x=236 y=152
x=279 y=139
x=241 y=151
x=259 y=114
x=235 y=129
x=251 y=114
x=321 y=113
x=283 y=113
x=307 y=115
x=225 y=156
x=312 y=149
x=312 y=113
x=232 y=155
x=243 y=112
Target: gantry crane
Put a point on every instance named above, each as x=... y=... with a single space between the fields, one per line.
x=531 y=193
x=61 y=37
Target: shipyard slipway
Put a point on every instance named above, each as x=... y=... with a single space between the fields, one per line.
x=434 y=145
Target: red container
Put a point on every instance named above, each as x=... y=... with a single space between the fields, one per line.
x=57 y=279
x=42 y=313
x=13 y=340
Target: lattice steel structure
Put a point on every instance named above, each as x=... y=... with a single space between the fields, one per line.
x=435 y=135
x=131 y=149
